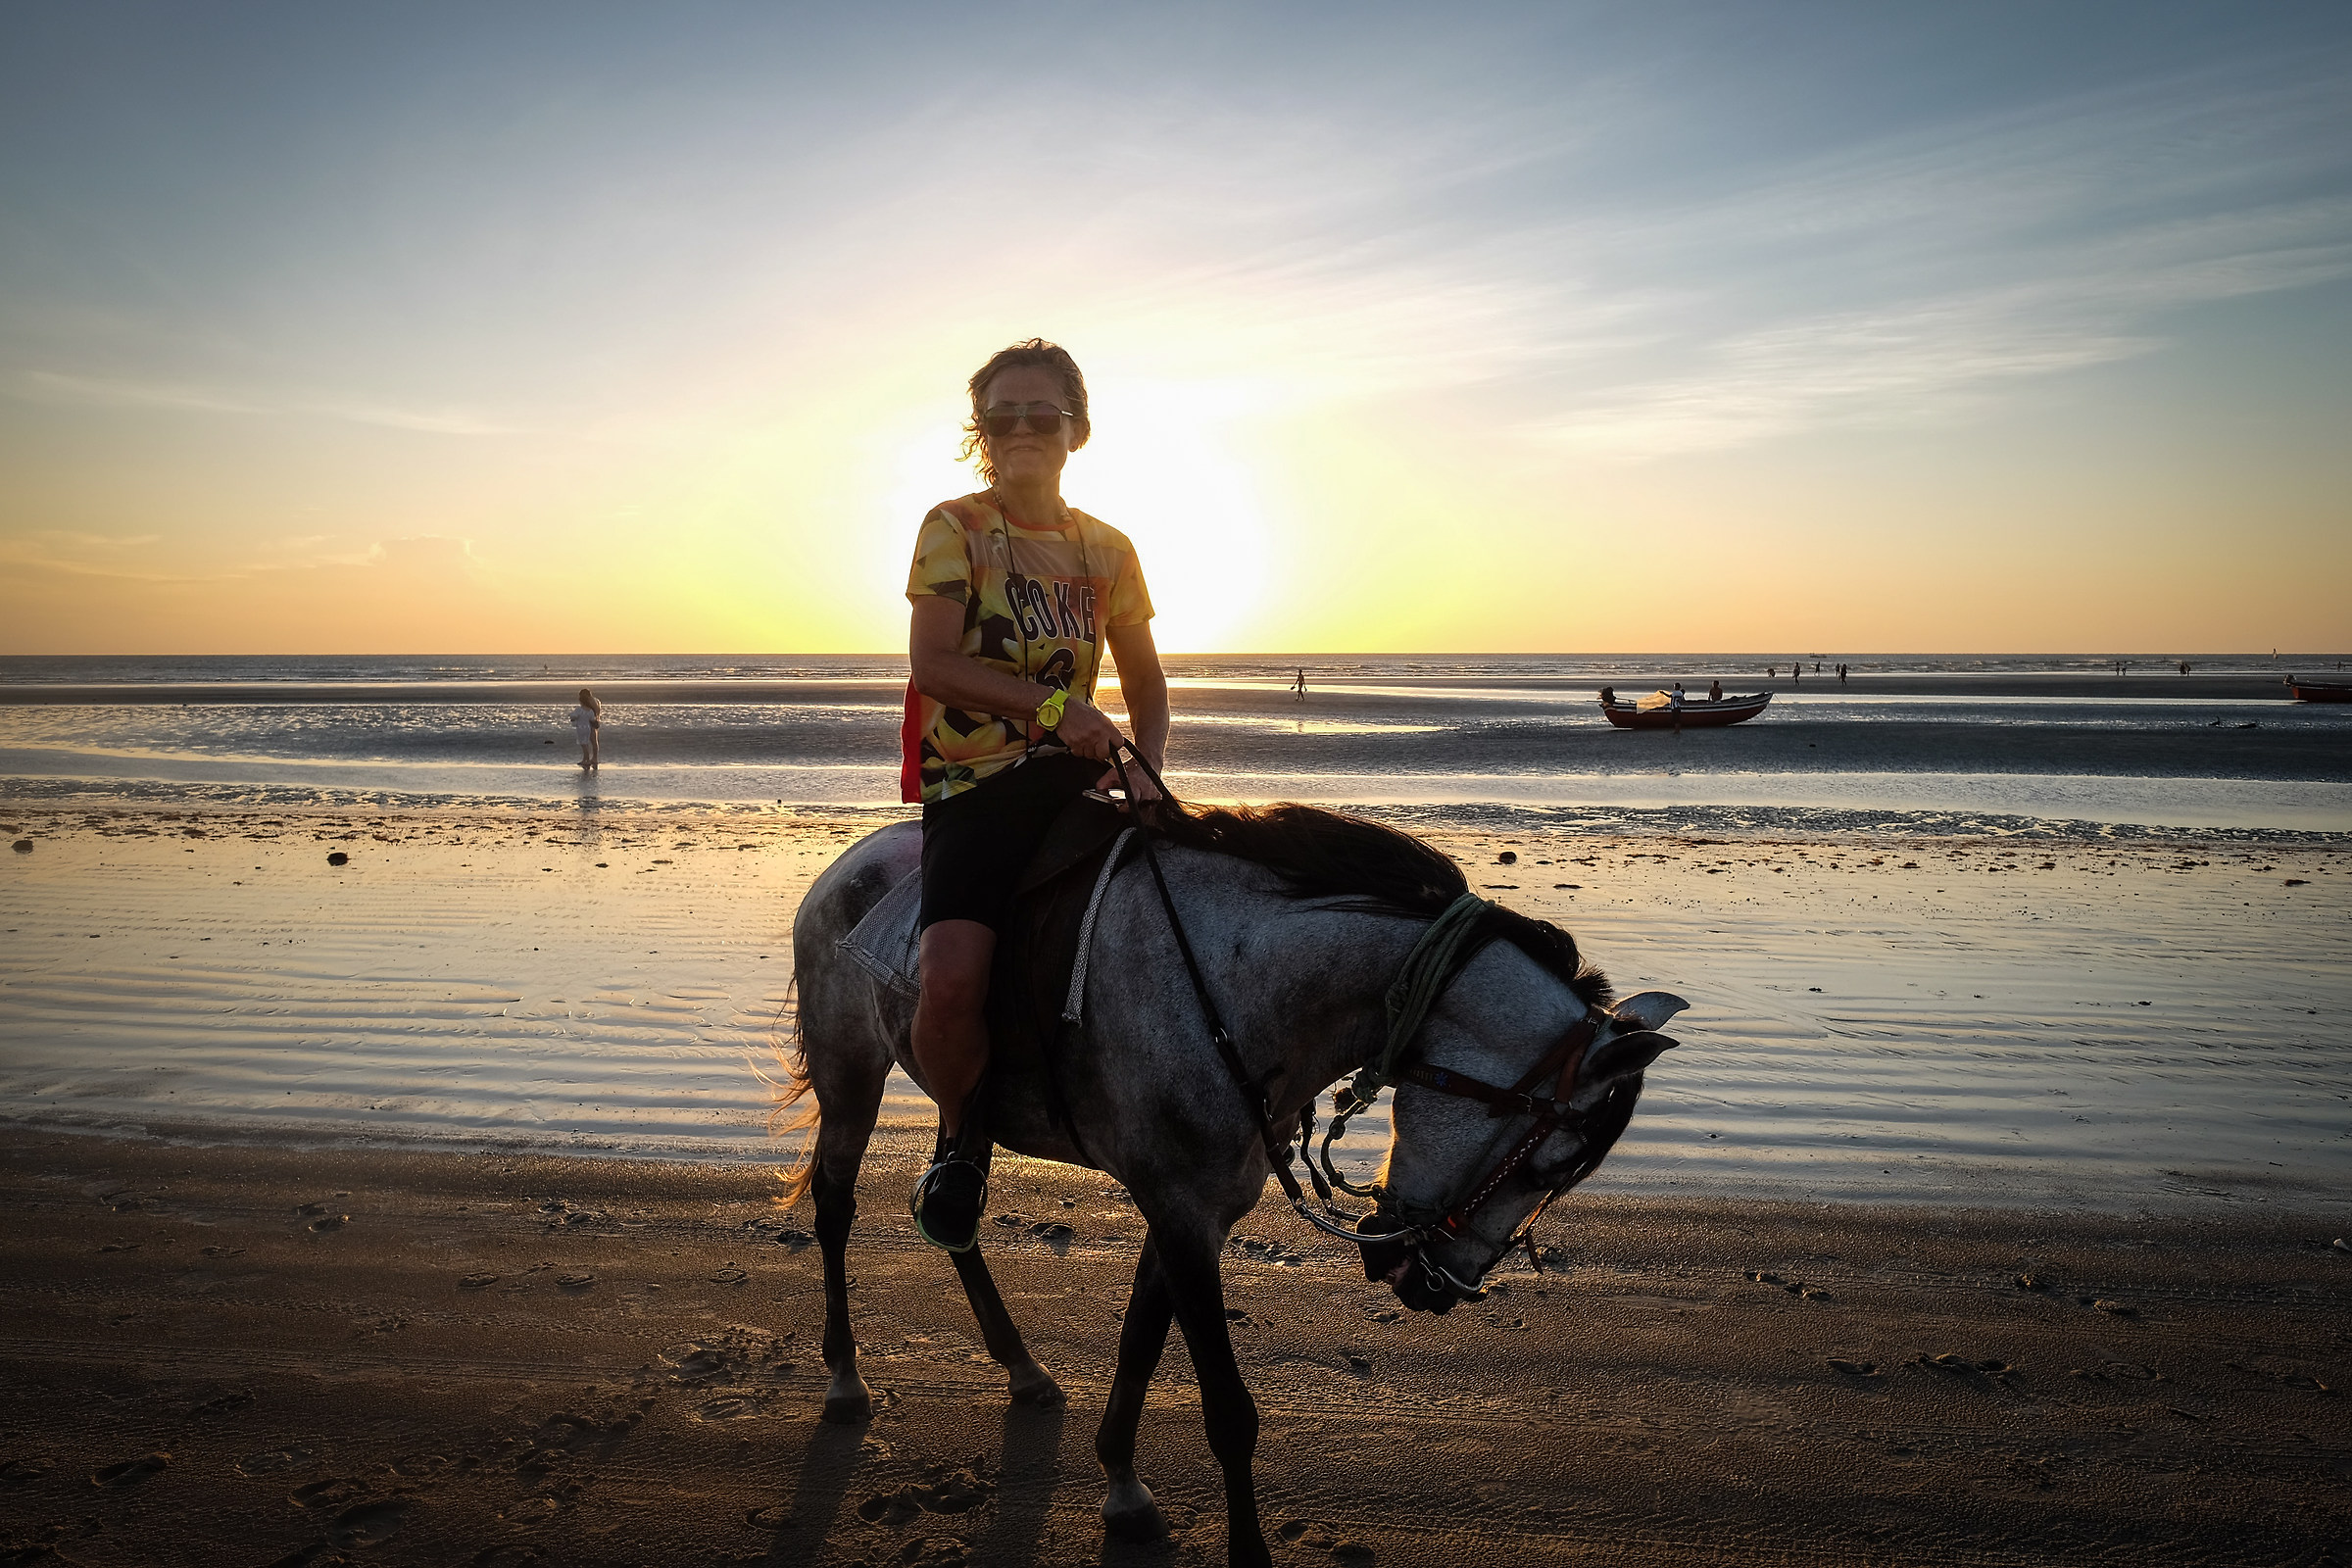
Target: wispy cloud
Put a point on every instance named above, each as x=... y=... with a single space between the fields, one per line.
x=90 y=391
x=1915 y=278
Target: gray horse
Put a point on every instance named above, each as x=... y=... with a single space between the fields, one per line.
x=1299 y=919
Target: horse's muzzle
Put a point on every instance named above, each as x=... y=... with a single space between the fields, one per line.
x=1402 y=1265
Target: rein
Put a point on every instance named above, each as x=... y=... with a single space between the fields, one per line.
x=1444 y=948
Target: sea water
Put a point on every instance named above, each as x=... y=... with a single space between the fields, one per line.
x=2013 y=743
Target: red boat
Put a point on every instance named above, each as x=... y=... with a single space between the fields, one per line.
x=2319 y=691
x=1695 y=713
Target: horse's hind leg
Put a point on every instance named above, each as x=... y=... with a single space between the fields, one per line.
x=847 y=1397
x=842 y=1134
x=1128 y=1513
x=1030 y=1384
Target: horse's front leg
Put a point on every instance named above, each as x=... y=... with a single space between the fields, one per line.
x=1030 y=1384
x=847 y=1399
x=1128 y=1513
x=1195 y=1287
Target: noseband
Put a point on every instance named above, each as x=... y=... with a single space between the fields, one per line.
x=1460 y=932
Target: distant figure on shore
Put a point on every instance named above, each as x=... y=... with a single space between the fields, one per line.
x=1608 y=697
x=1299 y=686
x=1841 y=674
x=2184 y=667
x=1772 y=673
x=1678 y=695
x=1714 y=691
x=1797 y=672
x=586 y=720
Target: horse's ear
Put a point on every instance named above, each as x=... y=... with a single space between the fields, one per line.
x=1649 y=1011
x=1623 y=1056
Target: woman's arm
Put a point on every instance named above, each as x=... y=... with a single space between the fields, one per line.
x=1144 y=686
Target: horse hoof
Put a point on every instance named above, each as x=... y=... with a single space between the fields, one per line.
x=849 y=1403
x=1129 y=1514
x=1035 y=1387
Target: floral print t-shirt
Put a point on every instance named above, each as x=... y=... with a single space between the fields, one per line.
x=1036 y=603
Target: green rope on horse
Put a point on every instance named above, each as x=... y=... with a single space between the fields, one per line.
x=1450 y=942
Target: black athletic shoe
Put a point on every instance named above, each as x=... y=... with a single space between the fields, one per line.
x=947 y=1200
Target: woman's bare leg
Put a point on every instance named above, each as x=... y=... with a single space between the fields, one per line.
x=951 y=1027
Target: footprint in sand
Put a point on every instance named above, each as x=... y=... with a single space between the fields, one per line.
x=729 y=1407
x=773 y=1516
x=225 y=1251
x=131 y=1472
x=276 y=1461
x=332 y=1492
x=575 y=1282
x=729 y=1274
x=328 y=1222
x=477 y=1282
x=19 y=1471
x=1853 y=1370
x=368 y=1524
x=528 y=1512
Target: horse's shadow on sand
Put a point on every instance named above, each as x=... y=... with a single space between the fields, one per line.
x=1030 y=1472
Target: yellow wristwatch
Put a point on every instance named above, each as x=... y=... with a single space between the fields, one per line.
x=1048 y=711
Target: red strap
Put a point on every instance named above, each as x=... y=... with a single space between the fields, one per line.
x=910 y=749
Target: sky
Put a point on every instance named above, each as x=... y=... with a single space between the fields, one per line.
x=412 y=328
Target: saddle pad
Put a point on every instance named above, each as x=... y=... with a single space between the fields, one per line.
x=886 y=944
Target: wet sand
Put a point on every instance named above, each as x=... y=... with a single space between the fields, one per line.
x=253 y=1355
x=1957 y=1020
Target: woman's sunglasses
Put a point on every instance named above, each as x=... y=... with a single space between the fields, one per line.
x=1041 y=419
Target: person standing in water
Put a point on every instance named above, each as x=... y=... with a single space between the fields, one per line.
x=586 y=720
x=1015 y=597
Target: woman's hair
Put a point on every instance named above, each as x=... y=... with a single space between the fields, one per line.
x=1033 y=351
x=589 y=701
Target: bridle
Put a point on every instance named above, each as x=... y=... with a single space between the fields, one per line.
x=1446 y=947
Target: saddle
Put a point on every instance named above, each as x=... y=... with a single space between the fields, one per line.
x=1037 y=953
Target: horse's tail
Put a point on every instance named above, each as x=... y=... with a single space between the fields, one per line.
x=791 y=1047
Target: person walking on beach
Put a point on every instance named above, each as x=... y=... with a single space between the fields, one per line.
x=1014 y=596
x=586 y=720
x=1299 y=686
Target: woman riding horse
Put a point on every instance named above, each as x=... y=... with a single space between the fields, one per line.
x=1014 y=593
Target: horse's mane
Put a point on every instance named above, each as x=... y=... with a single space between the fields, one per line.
x=1321 y=854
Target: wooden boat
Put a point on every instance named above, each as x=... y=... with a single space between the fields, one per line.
x=1695 y=713
x=2319 y=691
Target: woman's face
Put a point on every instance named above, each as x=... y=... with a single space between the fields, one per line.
x=1026 y=457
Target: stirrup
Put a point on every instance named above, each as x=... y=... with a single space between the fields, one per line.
x=936 y=1185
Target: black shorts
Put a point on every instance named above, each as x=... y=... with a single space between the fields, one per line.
x=976 y=844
